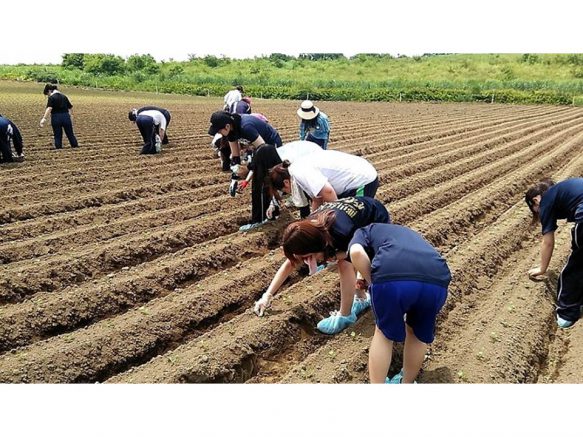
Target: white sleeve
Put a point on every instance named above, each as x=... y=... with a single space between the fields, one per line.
x=309 y=179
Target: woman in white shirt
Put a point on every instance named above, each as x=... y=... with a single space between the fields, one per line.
x=325 y=177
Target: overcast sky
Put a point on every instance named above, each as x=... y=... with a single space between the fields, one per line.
x=40 y=32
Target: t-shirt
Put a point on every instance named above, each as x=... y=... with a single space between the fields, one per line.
x=231 y=97
x=399 y=253
x=297 y=149
x=241 y=107
x=159 y=119
x=564 y=200
x=353 y=213
x=59 y=102
x=250 y=128
x=164 y=112
x=342 y=170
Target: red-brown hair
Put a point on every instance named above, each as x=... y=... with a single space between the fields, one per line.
x=310 y=235
x=275 y=178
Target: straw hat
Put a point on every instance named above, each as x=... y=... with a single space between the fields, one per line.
x=308 y=111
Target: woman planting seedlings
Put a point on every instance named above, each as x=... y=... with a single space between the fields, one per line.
x=548 y=203
x=324 y=236
x=314 y=125
x=408 y=286
x=325 y=177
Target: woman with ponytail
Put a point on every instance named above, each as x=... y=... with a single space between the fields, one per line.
x=324 y=236
x=325 y=177
x=548 y=203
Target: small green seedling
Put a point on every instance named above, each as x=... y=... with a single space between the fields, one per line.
x=494 y=336
x=143 y=310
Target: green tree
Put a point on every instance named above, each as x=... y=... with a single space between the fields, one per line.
x=143 y=63
x=73 y=60
x=104 y=64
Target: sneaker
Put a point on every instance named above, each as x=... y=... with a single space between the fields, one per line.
x=359 y=304
x=335 y=323
x=250 y=226
x=564 y=324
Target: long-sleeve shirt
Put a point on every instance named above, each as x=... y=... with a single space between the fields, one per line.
x=321 y=130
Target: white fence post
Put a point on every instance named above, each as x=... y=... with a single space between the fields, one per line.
x=492 y=101
x=400 y=97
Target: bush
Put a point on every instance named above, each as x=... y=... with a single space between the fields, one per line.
x=104 y=65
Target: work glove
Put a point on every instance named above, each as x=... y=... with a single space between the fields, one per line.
x=262 y=304
x=273 y=210
x=243 y=185
x=42 y=122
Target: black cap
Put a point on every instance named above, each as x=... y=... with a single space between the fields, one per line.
x=219 y=120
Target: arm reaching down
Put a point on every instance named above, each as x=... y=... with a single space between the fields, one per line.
x=282 y=274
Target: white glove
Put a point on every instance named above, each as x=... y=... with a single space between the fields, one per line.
x=42 y=122
x=262 y=304
x=271 y=209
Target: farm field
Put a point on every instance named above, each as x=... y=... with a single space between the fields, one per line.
x=121 y=268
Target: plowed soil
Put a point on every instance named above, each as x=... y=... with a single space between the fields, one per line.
x=116 y=267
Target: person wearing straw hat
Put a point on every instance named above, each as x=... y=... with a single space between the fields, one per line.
x=315 y=125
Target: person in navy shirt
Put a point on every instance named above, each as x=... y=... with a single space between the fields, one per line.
x=548 y=203
x=9 y=134
x=58 y=107
x=324 y=236
x=242 y=127
x=408 y=281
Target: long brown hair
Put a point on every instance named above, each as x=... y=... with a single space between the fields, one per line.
x=276 y=177
x=310 y=235
x=536 y=190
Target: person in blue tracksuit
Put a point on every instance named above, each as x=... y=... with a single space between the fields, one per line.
x=58 y=107
x=10 y=135
x=324 y=236
x=408 y=286
x=315 y=125
x=549 y=202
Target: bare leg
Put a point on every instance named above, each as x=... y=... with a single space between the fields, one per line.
x=347 y=286
x=379 y=357
x=413 y=356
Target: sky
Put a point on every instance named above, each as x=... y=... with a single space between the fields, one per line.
x=41 y=32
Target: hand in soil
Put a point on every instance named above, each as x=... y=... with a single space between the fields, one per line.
x=535 y=274
x=262 y=304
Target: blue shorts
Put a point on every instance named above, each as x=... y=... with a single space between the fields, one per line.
x=419 y=301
